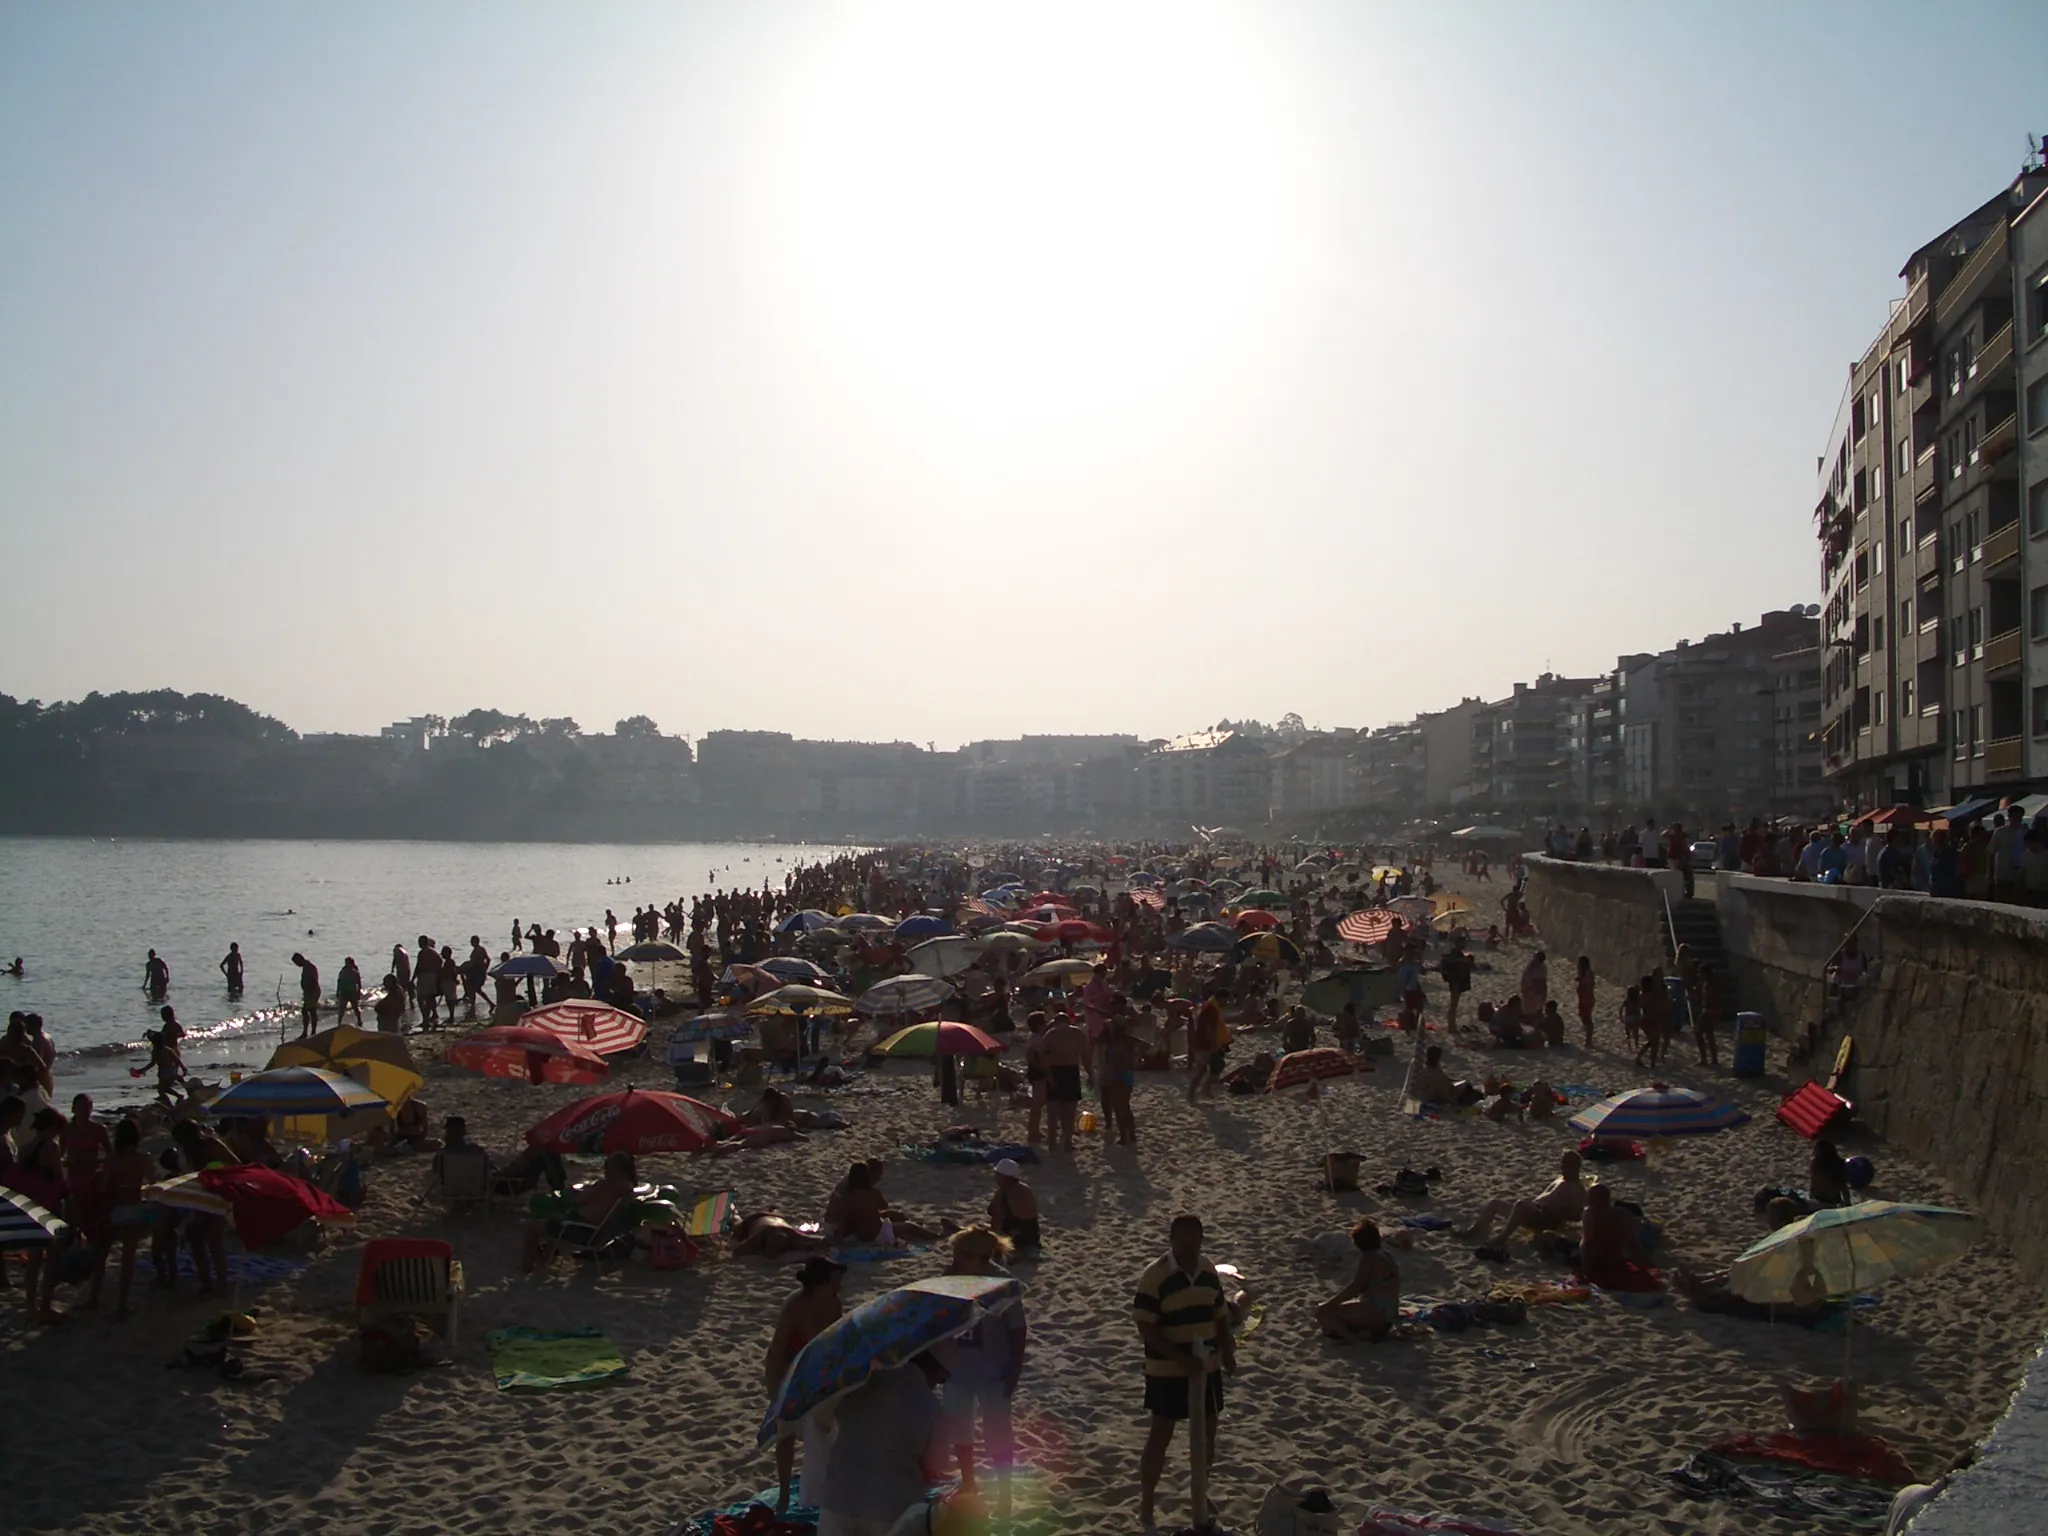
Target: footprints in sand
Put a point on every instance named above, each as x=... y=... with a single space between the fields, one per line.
x=1564 y=1421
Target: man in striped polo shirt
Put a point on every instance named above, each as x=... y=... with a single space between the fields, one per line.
x=1185 y=1323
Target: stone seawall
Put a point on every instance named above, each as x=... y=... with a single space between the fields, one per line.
x=1613 y=915
x=1950 y=1060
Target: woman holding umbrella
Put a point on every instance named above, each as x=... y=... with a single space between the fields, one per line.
x=815 y=1307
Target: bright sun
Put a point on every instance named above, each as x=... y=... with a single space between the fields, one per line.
x=1014 y=227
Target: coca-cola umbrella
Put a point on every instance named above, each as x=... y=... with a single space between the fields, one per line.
x=522 y=1051
x=586 y=1022
x=1048 y=912
x=633 y=1120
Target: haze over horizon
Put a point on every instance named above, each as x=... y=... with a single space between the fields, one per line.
x=932 y=372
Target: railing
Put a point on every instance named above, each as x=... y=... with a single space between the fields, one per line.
x=1999 y=439
x=2003 y=545
x=2002 y=650
x=1994 y=355
x=1926 y=474
x=2006 y=755
x=1958 y=294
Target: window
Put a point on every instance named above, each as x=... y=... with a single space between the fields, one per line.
x=1906 y=534
x=1959 y=731
x=1971 y=525
x=1906 y=699
x=1877 y=707
x=2041 y=710
x=2037 y=406
x=2037 y=613
x=1877 y=557
x=1976 y=730
x=1858 y=422
x=2037 y=508
x=1877 y=632
x=2037 y=305
x=1959 y=552
x=1958 y=639
x=1955 y=371
x=1906 y=617
x=1977 y=631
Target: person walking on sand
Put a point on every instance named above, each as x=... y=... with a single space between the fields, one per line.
x=1583 y=983
x=986 y=1363
x=1535 y=988
x=1206 y=1055
x=815 y=1307
x=1182 y=1317
x=1063 y=1047
x=1034 y=1073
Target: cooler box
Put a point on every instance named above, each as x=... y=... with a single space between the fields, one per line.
x=1750 y=1039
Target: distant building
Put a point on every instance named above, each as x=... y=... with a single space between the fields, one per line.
x=1221 y=778
x=1799 y=787
x=1450 y=765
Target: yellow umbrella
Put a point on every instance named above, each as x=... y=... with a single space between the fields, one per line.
x=1445 y=904
x=381 y=1063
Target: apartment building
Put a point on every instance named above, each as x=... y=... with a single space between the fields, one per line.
x=1535 y=737
x=1208 y=778
x=1923 y=666
x=2030 y=340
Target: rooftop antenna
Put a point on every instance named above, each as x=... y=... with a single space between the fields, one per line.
x=2036 y=159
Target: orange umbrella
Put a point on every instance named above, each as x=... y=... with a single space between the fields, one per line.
x=1253 y=918
x=520 y=1050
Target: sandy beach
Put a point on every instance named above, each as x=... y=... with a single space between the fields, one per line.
x=1563 y=1424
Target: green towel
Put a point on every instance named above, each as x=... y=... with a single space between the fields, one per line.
x=534 y=1360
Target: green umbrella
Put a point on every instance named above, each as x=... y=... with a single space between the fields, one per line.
x=1262 y=897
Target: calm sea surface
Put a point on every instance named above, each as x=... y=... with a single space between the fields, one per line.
x=84 y=913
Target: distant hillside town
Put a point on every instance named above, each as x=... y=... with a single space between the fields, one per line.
x=1716 y=729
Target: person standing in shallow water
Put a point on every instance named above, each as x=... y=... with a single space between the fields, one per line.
x=156 y=977
x=309 y=994
x=231 y=968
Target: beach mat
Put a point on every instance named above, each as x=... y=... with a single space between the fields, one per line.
x=874 y=1253
x=1400 y=1522
x=535 y=1360
x=243 y=1268
x=1815 y=1498
x=742 y=1519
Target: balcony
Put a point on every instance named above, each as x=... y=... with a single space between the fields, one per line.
x=2005 y=756
x=2003 y=545
x=1966 y=287
x=2002 y=651
x=1999 y=439
x=1926 y=475
x=1995 y=357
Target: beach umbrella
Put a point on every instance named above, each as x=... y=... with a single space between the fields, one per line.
x=924 y=925
x=1047 y=912
x=24 y=1224
x=1368 y=927
x=1268 y=946
x=945 y=1037
x=1843 y=1249
x=586 y=1022
x=1058 y=973
x=1201 y=904
x=1008 y=942
x=1486 y=834
x=1364 y=987
x=1253 y=919
x=805 y=921
x=799 y=998
x=785 y=968
x=1453 y=920
x=264 y=1203
x=949 y=955
x=633 y=1120
x=1445 y=904
x=1085 y=890
x=652 y=951
x=381 y=1062
x=1050 y=899
x=1142 y=877
x=910 y=993
x=1259 y=898
x=530 y=965
x=523 y=1051
x=1413 y=910
x=746 y=982
x=864 y=922
x=1204 y=938
x=1656 y=1111
x=715 y=1025
x=294 y=1091
x=881 y=1335
x=1304 y=1072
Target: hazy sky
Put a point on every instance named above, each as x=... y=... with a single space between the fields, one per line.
x=939 y=371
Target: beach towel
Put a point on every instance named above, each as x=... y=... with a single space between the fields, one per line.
x=243 y=1268
x=1869 y=1457
x=1535 y=1293
x=874 y=1253
x=754 y=1517
x=1381 y=1521
x=1808 y=1495
x=1427 y=1222
x=535 y=1360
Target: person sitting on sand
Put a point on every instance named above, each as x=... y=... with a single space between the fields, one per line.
x=1432 y=1083
x=1370 y=1305
x=1610 y=1246
x=1827 y=1179
x=1299 y=1031
x=867 y=1216
x=1561 y=1204
x=768 y=1235
x=591 y=1204
x=411 y=1130
x=1542 y=1099
x=1013 y=1208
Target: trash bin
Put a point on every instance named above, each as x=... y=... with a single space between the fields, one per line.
x=1681 y=1008
x=1750 y=1040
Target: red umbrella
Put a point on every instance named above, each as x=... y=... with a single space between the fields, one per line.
x=1047 y=912
x=1050 y=899
x=593 y=1025
x=1254 y=918
x=633 y=1120
x=1303 y=1071
x=268 y=1204
x=521 y=1050
x=1072 y=930
x=1367 y=927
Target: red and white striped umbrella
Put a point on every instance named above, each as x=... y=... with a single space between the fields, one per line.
x=1367 y=927
x=1303 y=1072
x=593 y=1025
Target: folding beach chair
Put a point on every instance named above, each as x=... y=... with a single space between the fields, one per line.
x=410 y=1277
x=464 y=1178
x=609 y=1237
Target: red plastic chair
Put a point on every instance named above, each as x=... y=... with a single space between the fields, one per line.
x=410 y=1277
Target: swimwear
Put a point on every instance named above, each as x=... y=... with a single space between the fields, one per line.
x=1063 y=1085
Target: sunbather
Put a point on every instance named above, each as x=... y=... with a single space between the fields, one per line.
x=1563 y=1203
x=1610 y=1246
x=1371 y=1304
x=594 y=1205
x=769 y=1235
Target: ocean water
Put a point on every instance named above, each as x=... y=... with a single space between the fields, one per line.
x=83 y=914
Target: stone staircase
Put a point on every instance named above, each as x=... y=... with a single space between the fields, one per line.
x=1698 y=926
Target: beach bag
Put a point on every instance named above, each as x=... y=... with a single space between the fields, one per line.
x=1289 y=1511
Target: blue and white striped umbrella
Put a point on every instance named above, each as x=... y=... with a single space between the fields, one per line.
x=296 y=1091
x=24 y=1224
x=805 y=921
x=910 y=993
x=1649 y=1112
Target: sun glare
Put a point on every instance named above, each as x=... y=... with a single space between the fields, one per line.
x=1053 y=222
